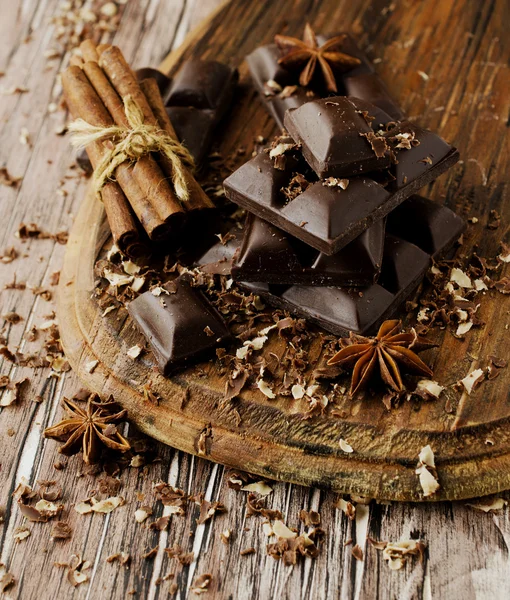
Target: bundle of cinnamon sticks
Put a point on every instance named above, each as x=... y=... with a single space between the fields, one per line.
x=141 y=194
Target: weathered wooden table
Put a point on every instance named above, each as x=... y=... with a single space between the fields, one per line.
x=467 y=551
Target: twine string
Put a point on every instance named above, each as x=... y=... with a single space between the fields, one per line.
x=130 y=144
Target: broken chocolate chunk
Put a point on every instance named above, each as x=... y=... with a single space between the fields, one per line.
x=175 y=322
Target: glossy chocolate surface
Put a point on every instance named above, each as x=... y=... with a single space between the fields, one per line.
x=203 y=84
x=434 y=229
x=370 y=87
x=332 y=133
x=329 y=217
x=179 y=325
x=197 y=99
x=431 y=226
x=273 y=256
x=361 y=81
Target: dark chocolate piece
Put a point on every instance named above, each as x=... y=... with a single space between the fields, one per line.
x=162 y=80
x=194 y=128
x=431 y=226
x=218 y=259
x=264 y=68
x=199 y=97
x=204 y=84
x=340 y=310
x=179 y=325
x=328 y=217
x=268 y=254
x=335 y=134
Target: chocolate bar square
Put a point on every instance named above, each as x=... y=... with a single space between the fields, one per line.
x=270 y=255
x=180 y=324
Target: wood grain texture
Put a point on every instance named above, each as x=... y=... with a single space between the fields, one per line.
x=273 y=439
x=467 y=554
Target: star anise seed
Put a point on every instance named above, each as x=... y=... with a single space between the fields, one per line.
x=307 y=52
x=88 y=428
x=389 y=350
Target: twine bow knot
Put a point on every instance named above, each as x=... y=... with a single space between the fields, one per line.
x=130 y=144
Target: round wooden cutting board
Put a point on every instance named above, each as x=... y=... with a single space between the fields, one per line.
x=418 y=47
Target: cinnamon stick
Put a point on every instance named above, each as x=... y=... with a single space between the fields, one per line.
x=84 y=103
x=124 y=81
x=76 y=61
x=148 y=175
x=88 y=51
x=198 y=199
x=102 y=47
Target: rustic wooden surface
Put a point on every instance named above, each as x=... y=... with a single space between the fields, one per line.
x=272 y=439
x=467 y=551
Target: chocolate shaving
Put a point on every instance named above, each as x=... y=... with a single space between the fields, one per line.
x=296 y=186
x=160 y=524
x=6 y=579
x=503 y=285
x=235 y=383
x=60 y=530
x=494 y=220
x=33 y=231
x=7 y=179
x=201 y=583
x=177 y=552
x=170 y=496
x=150 y=554
x=121 y=557
x=209 y=509
x=310 y=518
x=378 y=143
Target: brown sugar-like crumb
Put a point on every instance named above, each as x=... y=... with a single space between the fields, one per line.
x=357 y=552
x=247 y=551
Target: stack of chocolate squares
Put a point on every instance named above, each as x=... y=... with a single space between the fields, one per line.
x=335 y=232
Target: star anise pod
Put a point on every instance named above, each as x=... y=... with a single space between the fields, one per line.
x=307 y=52
x=89 y=428
x=388 y=350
